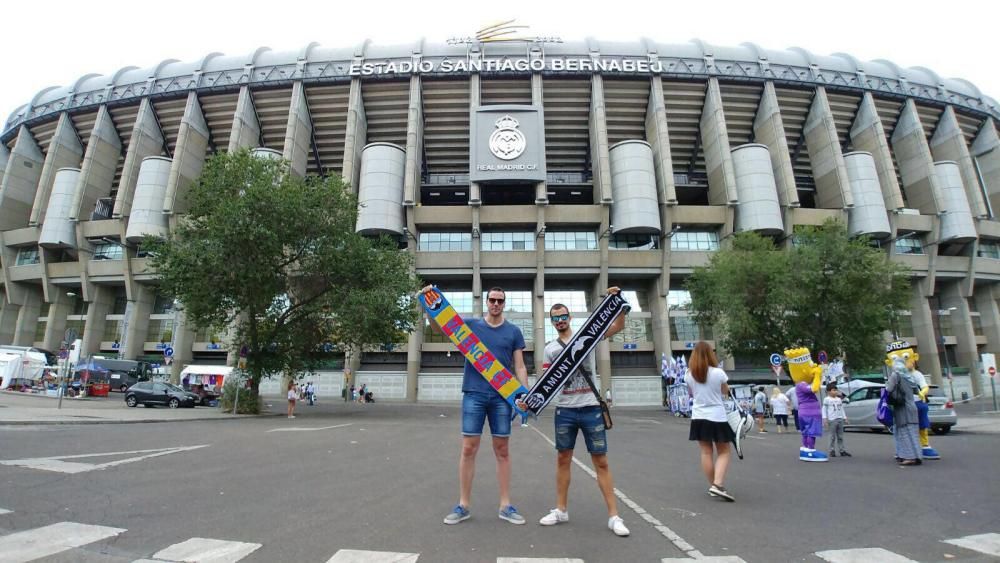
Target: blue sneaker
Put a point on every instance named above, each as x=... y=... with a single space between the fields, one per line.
x=807 y=454
x=509 y=513
x=929 y=453
x=458 y=514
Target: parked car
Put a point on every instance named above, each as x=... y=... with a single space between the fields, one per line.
x=152 y=393
x=861 y=400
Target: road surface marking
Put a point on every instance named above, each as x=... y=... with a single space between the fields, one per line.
x=862 y=555
x=647 y=420
x=675 y=539
x=5 y=511
x=716 y=559
x=983 y=543
x=57 y=464
x=207 y=550
x=364 y=556
x=302 y=429
x=537 y=560
x=49 y=540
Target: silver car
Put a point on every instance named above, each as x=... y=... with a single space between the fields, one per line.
x=861 y=401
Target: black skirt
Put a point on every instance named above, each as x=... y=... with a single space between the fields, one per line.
x=709 y=431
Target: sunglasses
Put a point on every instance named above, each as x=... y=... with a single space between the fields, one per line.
x=560 y=318
x=496 y=301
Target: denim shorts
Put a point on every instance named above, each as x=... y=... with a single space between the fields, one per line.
x=477 y=407
x=586 y=419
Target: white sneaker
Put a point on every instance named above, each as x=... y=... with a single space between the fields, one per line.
x=555 y=516
x=617 y=525
x=292 y=416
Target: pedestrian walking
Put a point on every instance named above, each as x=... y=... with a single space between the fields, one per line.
x=311 y=393
x=779 y=406
x=709 y=426
x=293 y=395
x=793 y=401
x=481 y=402
x=834 y=419
x=759 y=406
x=578 y=410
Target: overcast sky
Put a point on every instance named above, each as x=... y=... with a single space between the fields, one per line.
x=54 y=42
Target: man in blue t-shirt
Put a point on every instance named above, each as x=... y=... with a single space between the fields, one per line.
x=480 y=402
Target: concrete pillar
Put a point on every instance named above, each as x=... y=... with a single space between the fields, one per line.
x=538 y=100
x=966 y=353
x=989 y=314
x=20 y=179
x=4 y=158
x=8 y=320
x=357 y=135
x=599 y=288
x=658 y=137
x=60 y=306
x=298 y=133
x=599 y=158
x=101 y=299
x=948 y=143
x=539 y=315
x=986 y=151
x=833 y=189
x=146 y=140
x=867 y=134
x=27 y=318
x=189 y=156
x=97 y=173
x=923 y=328
x=660 y=316
x=715 y=146
x=183 y=340
x=65 y=151
x=140 y=304
x=477 y=278
x=246 y=129
x=916 y=165
x=769 y=130
x=475 y=192
x=414 y=144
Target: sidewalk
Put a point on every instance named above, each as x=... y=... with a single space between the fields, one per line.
x=25 y=408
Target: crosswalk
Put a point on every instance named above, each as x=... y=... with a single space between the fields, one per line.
x=46 y=541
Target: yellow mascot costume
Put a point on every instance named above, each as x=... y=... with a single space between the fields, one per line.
x=808 y=378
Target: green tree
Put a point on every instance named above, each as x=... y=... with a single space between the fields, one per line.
x=828 y=292
x=275 y=257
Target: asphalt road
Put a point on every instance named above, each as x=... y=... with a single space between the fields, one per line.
x=381 y=477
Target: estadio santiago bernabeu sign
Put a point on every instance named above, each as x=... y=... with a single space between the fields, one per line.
x=508 y=144
x=508 y=64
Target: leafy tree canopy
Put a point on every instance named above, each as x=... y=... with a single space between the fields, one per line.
x=827 y=292
x=275 y=256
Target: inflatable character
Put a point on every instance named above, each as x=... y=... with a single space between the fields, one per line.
x=808 y=378
x=901 y=350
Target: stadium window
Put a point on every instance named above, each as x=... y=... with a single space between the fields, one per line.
x=703 y=241
x=27 y=256
x=108 y=251
x=571 y=240
x=634 y=242
x=909 y=245
x=508 y=241
x=444 y=242
x=989 y=250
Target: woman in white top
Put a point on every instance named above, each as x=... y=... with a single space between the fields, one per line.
x=709 y=427
x=779 y=406
x=293 y=395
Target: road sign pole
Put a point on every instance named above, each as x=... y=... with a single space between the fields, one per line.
x=993 y=388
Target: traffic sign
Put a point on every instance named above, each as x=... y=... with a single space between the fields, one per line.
x=993 y=371
x=63 y=354
x=630 y=346
x=776 y=369
x=168 y=352
x=776 y=359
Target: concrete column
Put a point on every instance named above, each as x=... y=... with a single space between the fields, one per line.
x=246 y=129
x=137 y=312
x=189 y=156
x=599 y=158
x=833 y=189
x=102 y=299
x=27 y=318
x=965 y=337
x=146 y=140
x=657 y=134
x=4 y=158
x=989 y=314
x=923 y=328
x=539 y=315
x=414 y=144
x=948 y=143
x=986 y=151
x=867 y=134
x=8 y=320
x=413 y=356
x=298 y=133
x=477 y=279
x=769 y=130
x=715 y=145
x=20 y=179
x=183 y=340
x=600 y=286
x=660 y=317
x=916 y=165
x=475 y=192
x=538 y=100
x=60 y=306
x=97 y=173
x=357 y=135
x=64 y=151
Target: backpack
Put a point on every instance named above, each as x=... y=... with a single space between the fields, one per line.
x=897 y=397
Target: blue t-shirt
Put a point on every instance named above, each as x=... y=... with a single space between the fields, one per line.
x=502 y=341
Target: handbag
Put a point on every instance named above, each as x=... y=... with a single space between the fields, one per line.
x=740 y=421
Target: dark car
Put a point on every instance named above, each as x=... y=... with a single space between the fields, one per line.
x=152 y=393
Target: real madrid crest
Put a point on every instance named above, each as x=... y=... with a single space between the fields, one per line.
x=507 y=142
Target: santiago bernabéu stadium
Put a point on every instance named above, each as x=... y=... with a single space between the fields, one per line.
x=554 y=169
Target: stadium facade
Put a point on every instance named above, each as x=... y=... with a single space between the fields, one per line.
x=552 y=169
